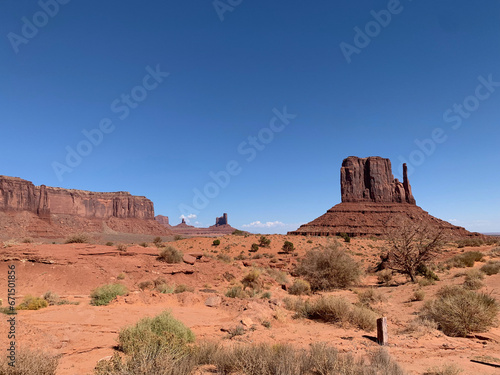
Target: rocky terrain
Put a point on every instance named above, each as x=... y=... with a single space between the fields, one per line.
x=373 y=201
x=82 y=334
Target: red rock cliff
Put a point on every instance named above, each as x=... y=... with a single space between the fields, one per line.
x=371 y=180
x=20 y=195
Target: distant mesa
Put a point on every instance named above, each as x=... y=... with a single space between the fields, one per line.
x=51 y=211
x=371 y=199
x=220 y=228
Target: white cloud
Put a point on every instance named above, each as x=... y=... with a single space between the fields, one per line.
x=268 y=224
x=188 y=217
x=270 y=227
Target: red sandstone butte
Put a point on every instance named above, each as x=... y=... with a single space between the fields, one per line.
x=371 y=200
x=76 y=210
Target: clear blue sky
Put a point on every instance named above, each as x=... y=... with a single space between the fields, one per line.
x=419 y=69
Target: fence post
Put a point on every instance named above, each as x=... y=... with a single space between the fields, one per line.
x=382 y=331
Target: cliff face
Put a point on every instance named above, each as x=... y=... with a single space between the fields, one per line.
x=20 y=195
x=371 y=180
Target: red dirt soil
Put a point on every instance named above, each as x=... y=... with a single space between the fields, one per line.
x=83 y=334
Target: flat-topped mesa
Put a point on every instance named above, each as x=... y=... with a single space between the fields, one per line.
x=20 y=195
x=371 y=180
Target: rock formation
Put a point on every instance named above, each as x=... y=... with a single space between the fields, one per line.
x=49 y=203
x=220 y=228
x=221 y=220
x=163 y=220
x=372 y=199
x=371 y=180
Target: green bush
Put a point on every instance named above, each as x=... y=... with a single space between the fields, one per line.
x=491 y=268
x=109 y=243
x=77 y=238
x=345 y=236
x=264 y=241
x=154 y=335
x=466 y=259
x=288 y=247
x=254 y=248
x=458 y=311
x=32 y=303
x=216 y=243
x=333 y=309
x=143 y=244
x=329 y=268
x=104 y=294
x=170 y=255
x=181 y=288
x=299 y=287
x=470 y=242
x=51 y=298
x=236 y=292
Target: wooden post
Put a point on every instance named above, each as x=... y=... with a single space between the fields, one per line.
x=382 y=331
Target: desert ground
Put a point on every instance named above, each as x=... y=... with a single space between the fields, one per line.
x=82 y=334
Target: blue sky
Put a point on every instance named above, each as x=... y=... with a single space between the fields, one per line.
x=253 y=105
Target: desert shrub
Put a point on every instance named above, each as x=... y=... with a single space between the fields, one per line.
x=238 y=232
x=155 y=334
x=254 y=248
x=143 y=244
x=264 y=241
x=420 y=326
x=181 y=288
x=170 y=255
x=120 y=276
x=241 y=256
x=266 y=295
x=165 y=288
x=384 y=277
x=51 y=298
x=27 y=240
x=109 y=243
x=458 y=311
x=345 y=237
x=288 y=247
x=426 y=282
x=32 y=303
x=329 y=268
x=216 y=243
x=418 y=295
x=30 y=362
x=470 y=242
x=224 y=258
x=251 y=280
x=281 y=277
x=236 y=292
x=103 y=295
x=309 y=241
x=466 y=259
x=473 y=279
x=178 y=237
x=77 y=238
x=157 y=241
x=145 y=285
x=491 y=268
x=369 y=296
x=450 y=369
x=427 y=272
x=337 y=309
x=299 y=287
x=495 y=252
x=121 y=247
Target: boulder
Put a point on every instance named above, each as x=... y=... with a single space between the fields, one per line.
x=189 y=259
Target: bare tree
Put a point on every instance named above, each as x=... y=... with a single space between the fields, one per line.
x=412 y=244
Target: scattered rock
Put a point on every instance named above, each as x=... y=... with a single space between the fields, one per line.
x=213 y=301
x=189 y=259
x=247 y=322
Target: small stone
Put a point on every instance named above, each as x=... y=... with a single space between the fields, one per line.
x=189 y=259
x=213 y=301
